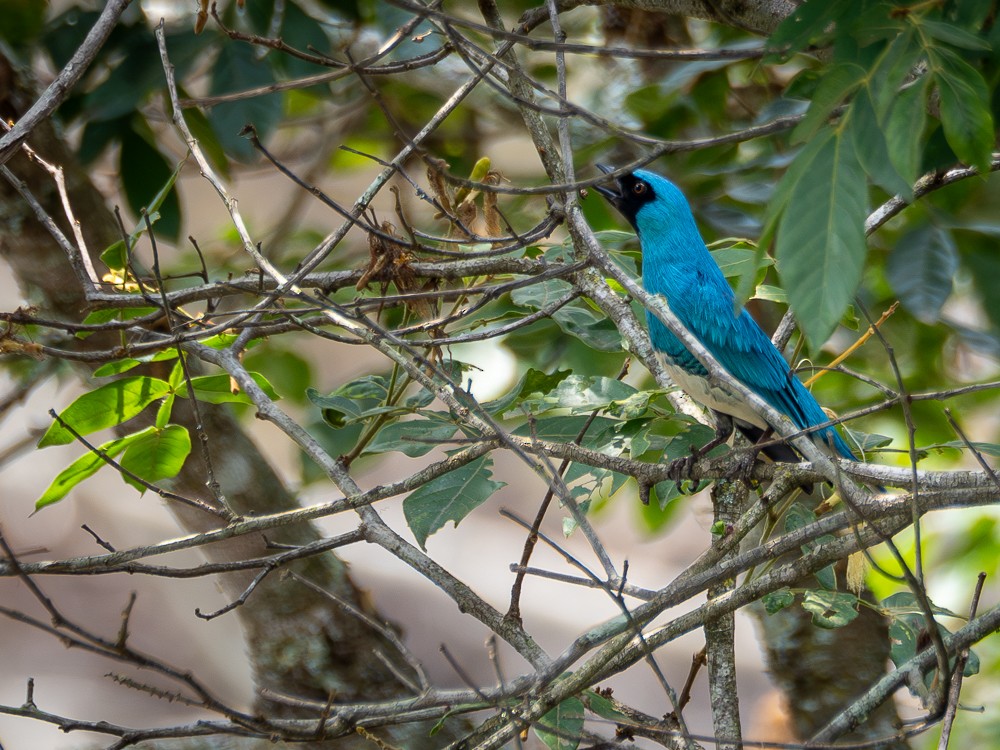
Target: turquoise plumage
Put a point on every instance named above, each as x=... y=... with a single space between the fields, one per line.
x=677 y=264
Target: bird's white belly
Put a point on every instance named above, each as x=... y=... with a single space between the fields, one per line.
x=716 y=398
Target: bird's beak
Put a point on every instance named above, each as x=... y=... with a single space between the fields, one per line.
x=612 y=194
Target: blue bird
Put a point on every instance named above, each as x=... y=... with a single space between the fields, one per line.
x=677 y=265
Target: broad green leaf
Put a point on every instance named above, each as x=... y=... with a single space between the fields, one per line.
x=578 y=394
x=165 y=410
x=239 y=68
x=904 y=129
x=984 y=262
x=596 y=331
x=412 y=439
x=116 y=368
x=449 y=498
x=206 y=136
x=576 y=319
x=565 y=722
x=218 y=389
x=601 y=706
x=126 y=84
x=565 y=429
x=147 y=180
x=84 y=467
x=738 y=261
x=830 y=609
x=821 y=240
x=661 y=509
x=921 y=270
x=23 y=20
x=106 y=406
x=99 y=317
x=871 y=146
x=893 y=68
x=158 y=454
x=865 y=441
x=798 y=516
x=954 y=35
x=128 y=363
x=836 y=85
x=807 y=22
x=908 y=630
x=771 y=293
x=778 y=600
x=965 y=112
x=339 y=411
x=797 y=172
x=533 y=382
x=905 y=603
x=115 y=258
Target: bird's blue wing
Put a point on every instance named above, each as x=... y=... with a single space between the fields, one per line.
x=742 y=347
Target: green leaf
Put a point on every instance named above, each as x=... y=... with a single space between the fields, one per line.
x=99 y=317
x=565 y=429
x=837 y=84
x=908 y=630
x=127 y=83
x=954 y=35
x=206 y=136
x=116 y=368
x=165 y=410
x=821 y=239
x=106 y=406
x=830 y=609
x=904 y=129
x=797 y=171
x=579 y=394
x=807 y=22
x=601 y=706
x=988 y=449
x=565 y=722
x=128 y=363
x=533 y=382
x=22 y=21
x=965 y=112
x=739 y=260
x=778 y=600
x=871 y=146
x=798 y=516
x=984 y=262
x=412 y=439
x=865 y=441
x=771 y=294
x=158 y=454
x=921 y=270
x=84 y=467
x=218 y=389
x=576 y=319
x=449 y=498
x=148 y=180
x=239 y=68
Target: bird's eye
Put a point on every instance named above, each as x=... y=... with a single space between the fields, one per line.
x=639 y=188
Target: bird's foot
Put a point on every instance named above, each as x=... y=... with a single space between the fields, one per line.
x=680 y=468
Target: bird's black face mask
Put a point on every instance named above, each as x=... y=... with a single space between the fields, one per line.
x=628 y=194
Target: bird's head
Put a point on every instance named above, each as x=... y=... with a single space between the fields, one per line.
x=647 y=199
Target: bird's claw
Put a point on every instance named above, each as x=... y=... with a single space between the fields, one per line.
x=680 y=468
